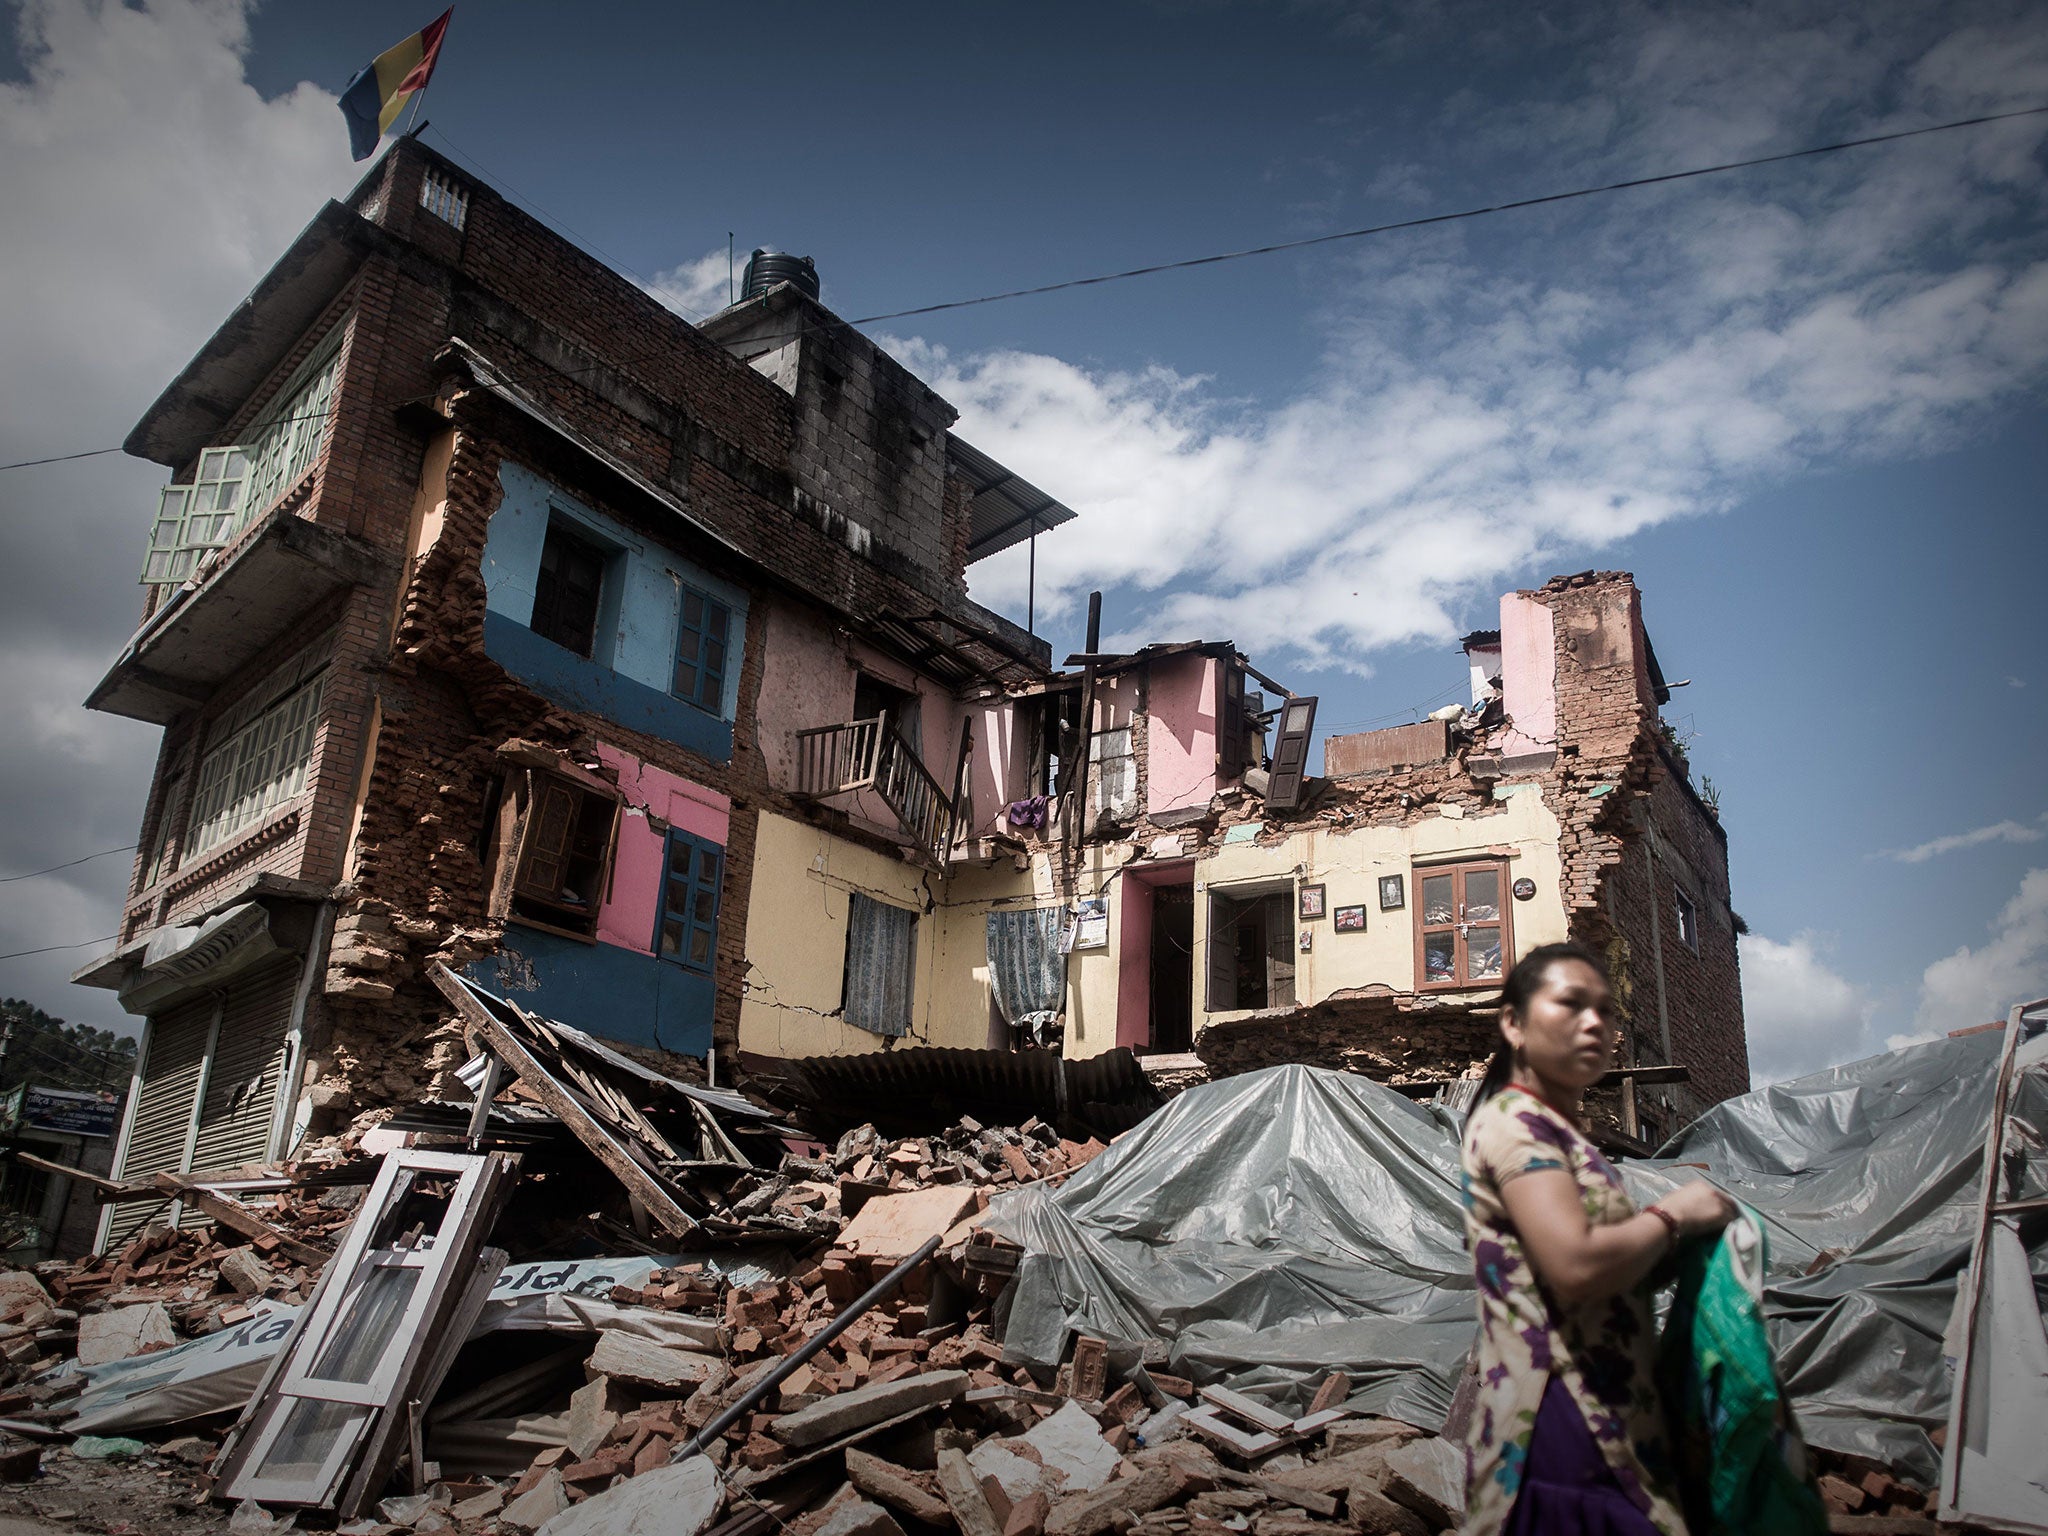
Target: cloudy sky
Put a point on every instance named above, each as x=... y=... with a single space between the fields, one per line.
x=1804 y=404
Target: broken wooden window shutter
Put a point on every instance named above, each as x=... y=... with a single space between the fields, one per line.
x=1290 y=752
x=1230 y=721
x=544 y=862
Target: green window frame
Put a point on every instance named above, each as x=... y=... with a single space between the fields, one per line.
x=686 y=928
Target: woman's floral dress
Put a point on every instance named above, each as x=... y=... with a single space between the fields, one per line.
x=1603 y=1351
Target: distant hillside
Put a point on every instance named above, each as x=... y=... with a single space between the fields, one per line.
x=45 y=1050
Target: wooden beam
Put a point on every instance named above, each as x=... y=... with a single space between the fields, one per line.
x=239 y=1218
x=104 y=1189
x=564 y=1105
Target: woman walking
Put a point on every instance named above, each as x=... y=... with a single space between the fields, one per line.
x=1567 y=1435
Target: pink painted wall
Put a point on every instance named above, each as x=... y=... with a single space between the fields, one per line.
x=1180 y=755
x=998 y=773
x=806 y=680
x=1528 y=674
x=652 y=794
x=1134 y=966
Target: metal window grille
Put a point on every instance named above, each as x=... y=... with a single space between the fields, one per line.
x=445 y=198
x=260 y=758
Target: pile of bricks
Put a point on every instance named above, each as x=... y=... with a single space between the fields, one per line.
x=1862 y=1489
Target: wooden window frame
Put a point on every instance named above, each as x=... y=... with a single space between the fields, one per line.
x=580 y=541
x=1262 y=894
x=709 y=693
x=663 y=914
x=513 y=852
x=1458 y=870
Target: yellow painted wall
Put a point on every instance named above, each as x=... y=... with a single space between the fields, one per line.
x=1349 y=864
x=796 y=942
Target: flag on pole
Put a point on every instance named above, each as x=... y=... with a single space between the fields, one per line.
x=373 y=100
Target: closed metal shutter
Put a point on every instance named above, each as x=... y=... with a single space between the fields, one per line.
x=176 y=1054
x=241 y=1090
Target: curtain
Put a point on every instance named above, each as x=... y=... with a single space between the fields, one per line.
x=881 y=948
x=1026 y=968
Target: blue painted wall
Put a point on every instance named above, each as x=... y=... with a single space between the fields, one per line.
x=637 y=618
x=606 y=991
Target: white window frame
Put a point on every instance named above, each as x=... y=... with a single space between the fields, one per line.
x=258 y=754
x=1114 y=755
x=237 y=482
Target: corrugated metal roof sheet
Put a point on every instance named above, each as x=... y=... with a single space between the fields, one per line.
x=1007 y=509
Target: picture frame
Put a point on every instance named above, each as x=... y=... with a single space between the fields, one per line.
x=1313 y=902
x=1393 y=892
x=1350 y=919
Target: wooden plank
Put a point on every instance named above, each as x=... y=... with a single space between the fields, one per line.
x=1208 y=1423
x=239 y=1218
x=564 y=1105
x=1249 y=1409
x=104 y=1189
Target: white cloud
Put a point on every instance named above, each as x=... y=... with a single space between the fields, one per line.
x=1977 y=837
x=1628 y=361
x=1800 y=1013
x=147 y=186
x=1977 y=986
x=696 y=289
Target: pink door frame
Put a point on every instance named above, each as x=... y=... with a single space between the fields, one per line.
x=1134 y=947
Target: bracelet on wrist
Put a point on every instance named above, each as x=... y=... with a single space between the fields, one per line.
x=1670 y=1224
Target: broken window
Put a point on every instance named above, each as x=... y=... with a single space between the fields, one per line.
x=1251 y=950
x=1461 y=924
x=567 y=591
x=258 y=752
x=881 y=957
x=1290 y=753
x=1231 y=725
x=552 y=855
x=701 y=641
x=899 y=710
x=1688 y=921
x=1116 y=773
x=688 y=932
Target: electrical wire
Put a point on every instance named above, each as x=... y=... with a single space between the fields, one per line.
x=10 y=879
x=1274 y=248
x=51 y=949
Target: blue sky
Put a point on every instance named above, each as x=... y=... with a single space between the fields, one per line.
x=1804 y=404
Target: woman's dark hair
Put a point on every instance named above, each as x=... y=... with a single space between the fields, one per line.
x=1515 y=993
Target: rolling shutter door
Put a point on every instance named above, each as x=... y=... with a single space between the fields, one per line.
x=163 y=1106
x=241 y=1090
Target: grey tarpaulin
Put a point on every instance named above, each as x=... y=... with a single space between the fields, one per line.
x=1272 y=1227
x=1025 y=966
x=1868 y=1175
x=1285 y=1222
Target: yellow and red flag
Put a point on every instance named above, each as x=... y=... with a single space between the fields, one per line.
x=372 y=101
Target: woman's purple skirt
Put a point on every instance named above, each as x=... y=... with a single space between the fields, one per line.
x=1567 y=1487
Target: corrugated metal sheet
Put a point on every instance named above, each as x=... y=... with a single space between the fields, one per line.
x=174 y=1056
x=925 y=1088
x=1007 y=509
x=241 y=1090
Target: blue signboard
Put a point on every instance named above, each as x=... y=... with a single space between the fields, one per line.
x=69 y=1111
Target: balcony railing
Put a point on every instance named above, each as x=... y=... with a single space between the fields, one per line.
x=866 y=754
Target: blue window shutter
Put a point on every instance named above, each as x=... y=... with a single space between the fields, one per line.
x=703 y=640
x=686 y=927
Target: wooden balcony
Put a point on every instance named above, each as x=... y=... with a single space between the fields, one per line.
x=865 y=755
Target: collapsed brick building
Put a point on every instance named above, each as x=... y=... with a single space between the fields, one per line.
x=500 y=617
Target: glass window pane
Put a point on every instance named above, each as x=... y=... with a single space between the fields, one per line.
x=700 y=947
x=714 y=621
x=1482 y=895
x=311 y=1434
x=671 y=937
x=368 y=1326
x=1437 y=900
x=1482 y=953
x=678 y=896
x=707 y=906
x=707 y=866
x=1440 y=957
x=714 y=656
x=686 y=681
x=693 y=609
x=679 y=858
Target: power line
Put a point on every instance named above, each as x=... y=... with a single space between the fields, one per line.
x=1274 y=248
x=1446 y=218
x=10 y=879
x=51 y=949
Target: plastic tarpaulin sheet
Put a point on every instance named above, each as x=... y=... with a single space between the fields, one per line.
x=1271 y=1227
x=1284 y=1223
x=1867 y=1177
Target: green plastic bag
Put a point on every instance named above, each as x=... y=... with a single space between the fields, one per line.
x=1742 y=1466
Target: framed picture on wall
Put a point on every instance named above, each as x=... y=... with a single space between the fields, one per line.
x=1350 y=920
x=1393 y=892
x=1312 y=903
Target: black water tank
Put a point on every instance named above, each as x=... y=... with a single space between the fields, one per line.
x=766 y=268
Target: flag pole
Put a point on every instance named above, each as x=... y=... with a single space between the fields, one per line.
x=418 y=97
